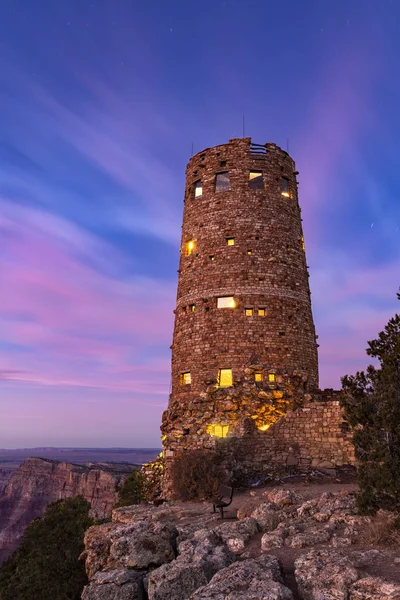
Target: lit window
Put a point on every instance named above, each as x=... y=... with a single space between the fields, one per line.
x=222 y=182
x=258 y=376
x=212 y=257
x=198 y=188
x=256 y=181
x=189 y=247
x=303 y=244
x=248 y=312
x=271 y=377
x=285 y=187
x=192 y=307
x=224 y=377
x=230 y=241
x=261 y=312
x=226 y=302
x=186 y=378
x=249 y=252
x=218 y=430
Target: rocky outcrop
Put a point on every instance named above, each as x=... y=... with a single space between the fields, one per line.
x=37 y=482
x=185 y=552
x=252 y=579
x=5 y=475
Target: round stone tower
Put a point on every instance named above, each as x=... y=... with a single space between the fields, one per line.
x=243 y=308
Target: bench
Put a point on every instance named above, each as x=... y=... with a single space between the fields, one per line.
x=224 y=499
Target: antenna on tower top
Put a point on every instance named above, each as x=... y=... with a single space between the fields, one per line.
x=287 y=145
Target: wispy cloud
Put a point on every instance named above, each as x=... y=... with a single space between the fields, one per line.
x=77 y=321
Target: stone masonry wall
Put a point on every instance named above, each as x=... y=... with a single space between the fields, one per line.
x=313 y=436
x=265 y=268
x=270 y=348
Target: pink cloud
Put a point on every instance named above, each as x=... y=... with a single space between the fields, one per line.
x=78 y=325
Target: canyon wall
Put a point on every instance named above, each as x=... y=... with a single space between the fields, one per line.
x=37 y=482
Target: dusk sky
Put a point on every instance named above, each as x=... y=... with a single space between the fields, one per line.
x=101 y=101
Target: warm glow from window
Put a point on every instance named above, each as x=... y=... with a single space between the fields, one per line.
x=230 y=241
x=258 y=376
x=264 y=427
x=222 y=182
x=189 y=247
x=218 y=430
x=271 y=377
x=248 y=312
x=198 y=189
x=285 y=187
x=212 y=257
x=249 y=252
x=303 y=244
x=261 y=312
x=224 y=377
x=186 y=378
x=192 y=307
x=226 y=302
x=256 y=181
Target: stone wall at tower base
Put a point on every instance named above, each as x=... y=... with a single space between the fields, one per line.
x=313 y=436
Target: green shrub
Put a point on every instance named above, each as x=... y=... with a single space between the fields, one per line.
x=133 y=490
x=46 y=565
x=371 y=402
x=196 y=474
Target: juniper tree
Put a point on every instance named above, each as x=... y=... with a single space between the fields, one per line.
x=371 y=402
x=46 y=565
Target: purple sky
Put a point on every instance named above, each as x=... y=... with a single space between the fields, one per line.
x=101 y=102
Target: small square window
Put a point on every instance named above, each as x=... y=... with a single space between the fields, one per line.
x=222 y=182
x=198 y=188
x=271 y=377
x=285 y=187
x=192 y=307
x=261 y=312
x=212 y=257
x=249 y=252
x=224 y=377
x=258 y=376
x=256 y=180
x=184 y=309
x=189 y=247
x=186 y=378
x=226 y=302
x=222 y=163
x=248 y=312
x=230 y=241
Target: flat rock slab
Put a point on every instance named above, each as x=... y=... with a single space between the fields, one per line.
x=254 y=579
x=117 y=584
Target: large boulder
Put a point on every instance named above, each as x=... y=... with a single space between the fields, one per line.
x=175 y=581
x=267 y=516
x=118 y=584
x=374 y=588
x=324 y=575
x=143 y=545
x=139 y=545
x=281 y=497
x=253 y=579
x=237 y=533
x=205 y=549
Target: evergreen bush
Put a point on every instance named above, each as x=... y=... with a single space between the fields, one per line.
x=46 y=565
x=371 y=402
x=196 y=475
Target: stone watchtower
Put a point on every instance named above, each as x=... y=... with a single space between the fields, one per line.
x=243 y=317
